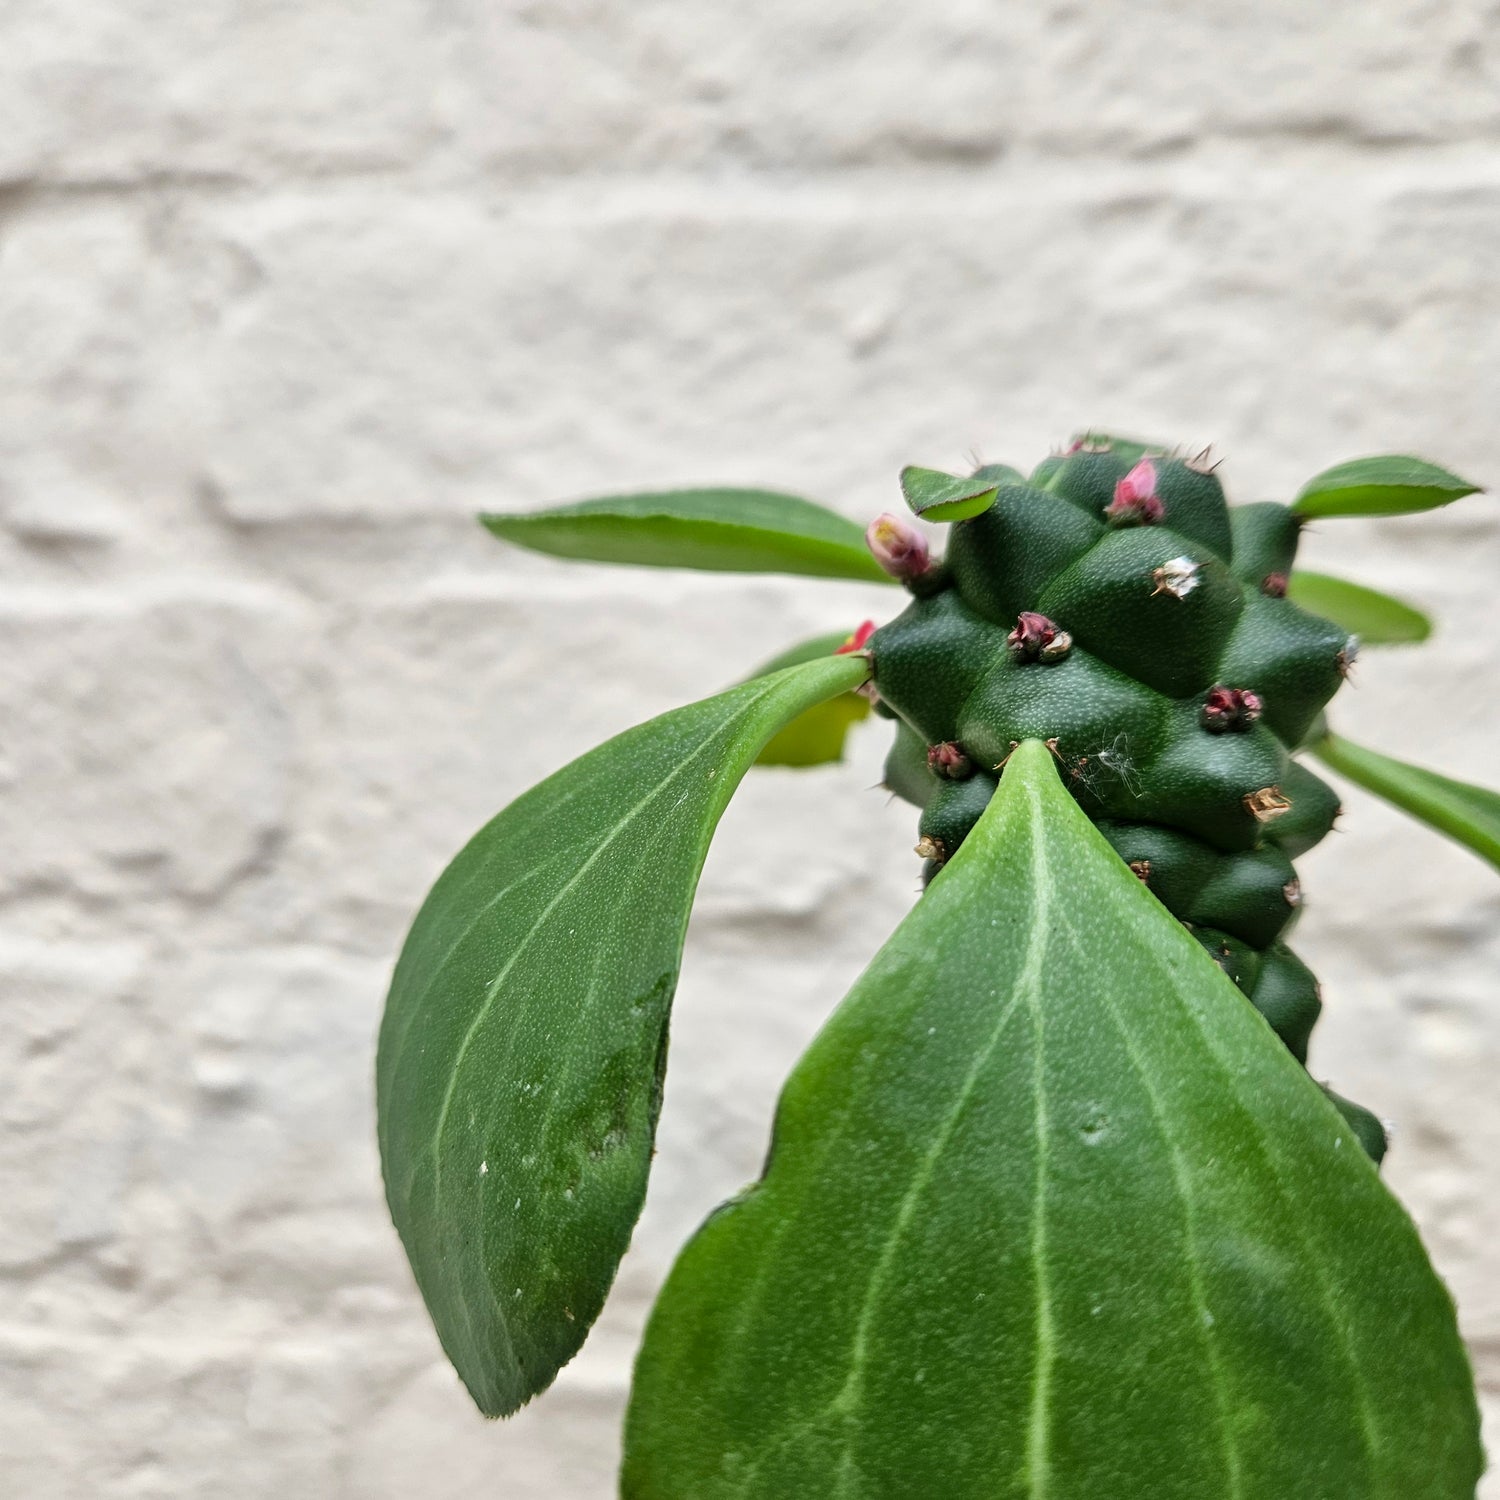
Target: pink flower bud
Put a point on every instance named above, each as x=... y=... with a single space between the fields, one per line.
x=898 y=547
x=949 y=761
x=1274 y=585
x=1227 y=708
x=1136 y=502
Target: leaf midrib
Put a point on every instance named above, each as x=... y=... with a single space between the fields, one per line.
x=493 y=989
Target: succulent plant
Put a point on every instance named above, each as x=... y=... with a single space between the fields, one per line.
x=1141 y=631
x=1051 y=1210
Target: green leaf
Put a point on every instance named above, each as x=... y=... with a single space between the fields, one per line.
x=936 y=496
x=816 y=736
x=718 y=530
x=1469 y=814
x=1051 y=1215
x=1392 y=485
x=520 y=1061
x=1376 y=618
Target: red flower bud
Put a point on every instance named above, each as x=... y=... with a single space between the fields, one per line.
x=1036 y=638
x=949 y=761
x=1274 y=585
x=859 y=640
x=1227 y=708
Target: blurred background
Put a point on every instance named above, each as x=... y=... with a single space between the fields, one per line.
x=289 y=291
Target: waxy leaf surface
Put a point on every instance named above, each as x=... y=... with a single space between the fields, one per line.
x=1376 y=618
x=519 y=1070
x=936 y=496
x=816 y=737
x=1390 y=485
x=717 y=530
x=1468 y=814
x=1050 y=1214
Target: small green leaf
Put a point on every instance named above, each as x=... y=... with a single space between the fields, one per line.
x=816 y=736
x=1392 y=485
x=1469 y=814
x=717 y=530
x=520 y=1062
x=1050 y=1214
x=1376 y=618
x=936 y=496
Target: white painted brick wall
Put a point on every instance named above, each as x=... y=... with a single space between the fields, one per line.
x=287 y=290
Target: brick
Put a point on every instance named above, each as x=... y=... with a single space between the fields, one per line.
x=428 y=1440
x=122 y=93
x=144 y=754
x=427 y=356
x=136 y=1418
x=142 y=89
x=66 y=1152
x=497 y=684
x=104 y=308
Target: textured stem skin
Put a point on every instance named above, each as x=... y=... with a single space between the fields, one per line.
x=1117 y=608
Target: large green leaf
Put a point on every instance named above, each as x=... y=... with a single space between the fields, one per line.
x=520 y=1061
x=817 y=735
x=1376 y=618
x=1050 y=1214
x=1391 y=485
x=718 y=530
x=1469 y=814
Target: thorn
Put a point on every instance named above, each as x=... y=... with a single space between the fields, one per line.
x=1014 y=746
x=1266 y=804
x=1177 y=577
x=1347 y=656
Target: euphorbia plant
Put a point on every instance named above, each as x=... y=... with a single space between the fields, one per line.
x=1053 y=1207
